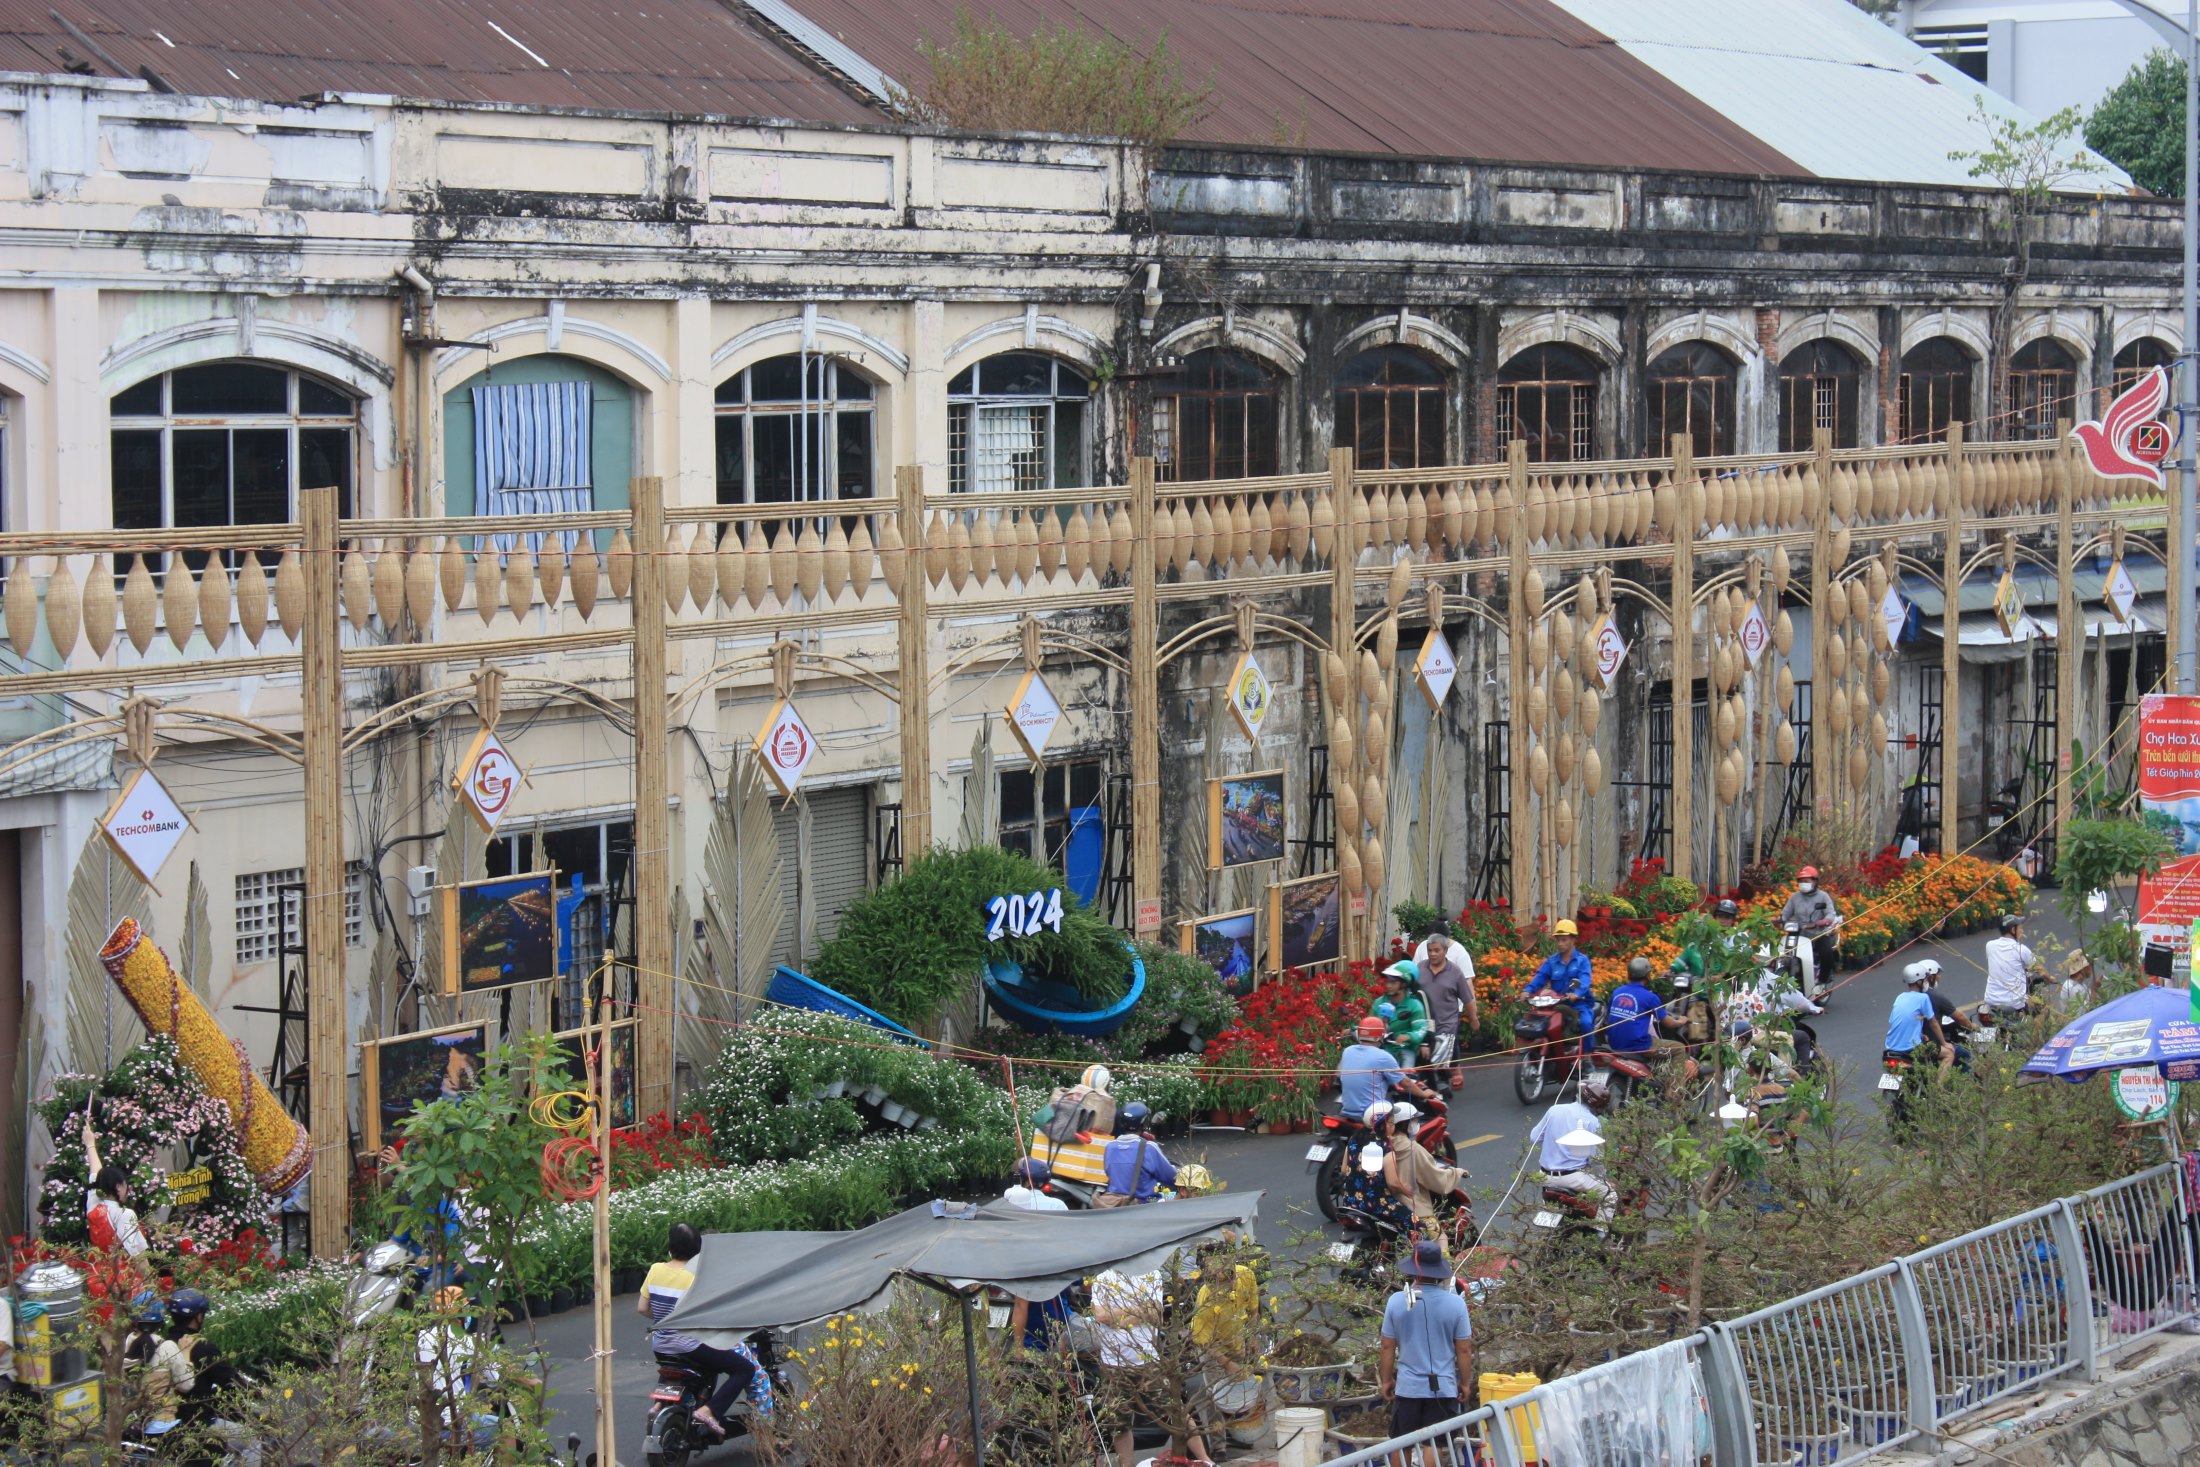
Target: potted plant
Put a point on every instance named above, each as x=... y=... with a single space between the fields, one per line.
x=1319 y=1322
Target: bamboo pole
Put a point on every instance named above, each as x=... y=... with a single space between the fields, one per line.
x=912 y=668
x=1522 y=828
x=1145 y=651
x=1684 y=660
x=600 y=1247
x=1951 y=626
x=1343 y=632
x=2069 y=620
x=1768 y=602
x=1825 y=759
x=328 y=1047
x=652 y=803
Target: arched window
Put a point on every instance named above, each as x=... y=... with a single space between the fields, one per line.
x=1936 y=390
x=793 y=429
x=1390 y=409
x=2043 y=385
x=1819 y=383
x=1017 y=421
x=1547 y=395
x=228 y=443
x=1689 y=389
x=2143 y=356
x=1216 y=417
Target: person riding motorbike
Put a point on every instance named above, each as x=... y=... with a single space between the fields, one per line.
x=1565 y=1163
x=1134 y=1164
x=1410 y=1171
x=1636 y=1021
x=1911 y=1020
x=1366 y=1072
x=663 y=1287
x=2011 y=969
x=1408 y=1026
x=1812 y=910
x=1566 y=973
x=1370 y=1192
x=1716 y=955
x=1955 y=1025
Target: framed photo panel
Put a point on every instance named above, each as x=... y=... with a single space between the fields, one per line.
x=1245 y=819
x=1229 y=943
x=571 y=1069
x=400 y=1074
x=500 y=932
x=1304 y=921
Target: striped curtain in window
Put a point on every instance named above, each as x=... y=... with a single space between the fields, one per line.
x=531 y=451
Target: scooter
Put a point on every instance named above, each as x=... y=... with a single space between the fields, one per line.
x=1894 y=1088
x=1798 y=959
x=1550 y=1058
x=670 y=1434
x=1343 y=1136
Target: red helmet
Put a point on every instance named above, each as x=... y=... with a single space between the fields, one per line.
x=1373 y=1028
x=1808 y=873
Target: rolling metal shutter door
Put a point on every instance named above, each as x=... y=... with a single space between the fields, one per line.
x=836 y=868
x=839 y=864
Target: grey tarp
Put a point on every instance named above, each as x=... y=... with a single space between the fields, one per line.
x=751 y=1281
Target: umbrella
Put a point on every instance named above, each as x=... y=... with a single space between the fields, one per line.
x=2152 y=1027
x=745 y=1282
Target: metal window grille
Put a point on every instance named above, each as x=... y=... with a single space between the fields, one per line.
x=1556 y=417
x=1701 y=407
x=2036 y=398
x=264 y=909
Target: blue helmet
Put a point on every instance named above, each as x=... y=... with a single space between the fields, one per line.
x=1132 y=1118
x=147 y=1309
x=188 y=1305
x=1030 y=1172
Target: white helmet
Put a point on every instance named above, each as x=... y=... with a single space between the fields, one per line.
x=1376 y=1114
x=1096 y=1077
x=1764 y=956
x=1925 y=970
x=1403 y=1113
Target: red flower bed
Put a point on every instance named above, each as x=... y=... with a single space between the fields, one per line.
x=1288 y=1035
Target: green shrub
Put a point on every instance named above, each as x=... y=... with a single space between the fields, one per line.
x=917 y=943
x=1416 y=918
x=761 y=1095
x=1172 y=1089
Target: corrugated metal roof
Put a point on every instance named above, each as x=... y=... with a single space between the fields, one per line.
x=1827 y=85
x=687 y=56
x=1511 y=79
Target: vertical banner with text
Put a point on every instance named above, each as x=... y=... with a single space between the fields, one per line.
x=2169 y=800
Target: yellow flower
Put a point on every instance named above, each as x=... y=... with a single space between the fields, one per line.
x=928 y=1390
x=908 y=1368
x=803 y=1406
x=874 y=1380
x=2008 y=1125
x=832 y=1324
x=832 y=1344
x=286 y=1393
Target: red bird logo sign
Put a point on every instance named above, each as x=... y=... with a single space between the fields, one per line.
x=2129 y=442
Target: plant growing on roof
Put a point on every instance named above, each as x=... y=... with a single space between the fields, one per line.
x=915 y=944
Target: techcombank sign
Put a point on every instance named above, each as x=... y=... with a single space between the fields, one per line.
x=145 y=825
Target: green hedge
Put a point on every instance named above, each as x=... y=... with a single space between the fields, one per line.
x=914 y=945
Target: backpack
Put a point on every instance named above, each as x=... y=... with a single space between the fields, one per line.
x=1075 y=1111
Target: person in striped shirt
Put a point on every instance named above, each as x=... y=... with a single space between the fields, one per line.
x=665 y=1286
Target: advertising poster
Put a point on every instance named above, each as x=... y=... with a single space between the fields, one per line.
x=2169 y=800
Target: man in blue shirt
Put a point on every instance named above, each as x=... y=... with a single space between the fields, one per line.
x=1135 y=1166
x=1428 y=1346
x=1911 y=1019
x=1566 y=973
x=1565 y=1166
x=1367 y=1072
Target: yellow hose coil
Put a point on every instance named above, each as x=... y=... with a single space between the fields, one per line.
x=276 y=1148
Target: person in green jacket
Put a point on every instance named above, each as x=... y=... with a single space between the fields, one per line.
x=1408 y=1027
x=1700 y=964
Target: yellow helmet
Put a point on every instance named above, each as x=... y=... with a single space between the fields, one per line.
x=1564 y=927
x=1194 y=1179
x=450 y=1299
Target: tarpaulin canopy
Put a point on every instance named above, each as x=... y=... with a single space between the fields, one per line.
x=2153 y=1027
x=750 y=1281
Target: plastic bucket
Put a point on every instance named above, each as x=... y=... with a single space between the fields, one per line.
x=1498 y=1389
x=1299 y=1435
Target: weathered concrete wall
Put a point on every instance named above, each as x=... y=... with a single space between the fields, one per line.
x=2147 y=1417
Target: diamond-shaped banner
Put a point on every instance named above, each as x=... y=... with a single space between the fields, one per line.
x=1033 y=715
x=145 y=825
x=786 y=746
x=488 y=780
x=1436 y=668
x=1251 y=695
x=2120 y=591
x=1755 y=635
x=1894 y=611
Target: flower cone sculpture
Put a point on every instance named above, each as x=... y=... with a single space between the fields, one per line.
x=276 y=1147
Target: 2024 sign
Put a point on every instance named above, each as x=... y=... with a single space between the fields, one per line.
x=1024 y=916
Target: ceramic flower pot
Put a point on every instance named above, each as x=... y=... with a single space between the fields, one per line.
x=892 y=1111
x=1308 y=1385
x=874 y=1095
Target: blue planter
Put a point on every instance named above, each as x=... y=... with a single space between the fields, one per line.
x=797 y=992
x=1050 y=1007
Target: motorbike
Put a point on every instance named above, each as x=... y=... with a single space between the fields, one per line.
x=1798 y=960
x=1550 y=1058
x=669 y=1433
x=1341 y=1139
x=1894 y=1088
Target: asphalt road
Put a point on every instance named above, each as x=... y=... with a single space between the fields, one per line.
x=1487 y=1121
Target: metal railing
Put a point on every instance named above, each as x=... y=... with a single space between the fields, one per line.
x=1892 y=1356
